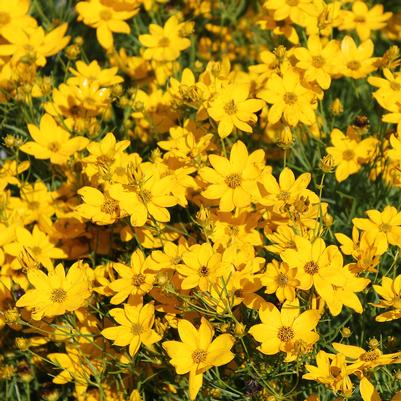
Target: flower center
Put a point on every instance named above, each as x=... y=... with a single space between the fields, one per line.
x=54 y=146
x=105 y=15
x=199 y=355
x=348 y=154
x=285 y=334
x=290 y=98
x=318 y=61
x=359 y=19
x=385 y=227
x=292 y=3
x=36 y=250
x=282 y=279
x=311 y=267
x=138 y=279
x=233 y=180
x=283 y=196
x=136 y=329
x=58 y=295
x=354 y=65
x=395 y=86
x=335 y=371
x=164 y=42
x=370 y=356
x=204 y=271
x=110 y=206
x=230 y=107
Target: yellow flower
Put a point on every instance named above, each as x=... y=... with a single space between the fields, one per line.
x=232 y=108
x=105 y=19
x=165 y=43
x=317 y=60
x=384 y=227
x=135 y=327
x=233 y=181
x=356 y=62
x=35 y=246
x=281 y=280
x=201 y=267
x=281 y=330
x=52 y=142
x=389 y=88
x=390 y=291
x=363 y=19
x=197 y=352
x=317 y=266
x=93 y=73
x=15 y=18
x=101 y=208
x=134 y=282
x=34 y=44
x=332 y=371
x=289 y=99
x=55 y=293
x=348 y=154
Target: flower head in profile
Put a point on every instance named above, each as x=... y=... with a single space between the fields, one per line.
x=56 y=293
x=50 y=141
x=197 y=352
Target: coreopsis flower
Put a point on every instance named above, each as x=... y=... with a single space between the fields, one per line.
x=390 y=291
x=232 y=108
x=135 y=327
x=388 y=87
x=165 y=43
x=135 y=280
x=34 y=245
x=105 y=19
x=348 y=154
x=356 y=62
x=233 y=181
x=317 y=265
x=384 y=227
x=197 y=352
x=94 y=73
x=34 y=44
x=279 y=279
x=15 y=19
x=363 y=19
x=281 y=330
x=289 y=99
x=333 y=372
x=201 y=267
x=52 y=142
x=286 y=191
x=317 y=60
x=101 y=208
x=56 y=293
x=9 y=171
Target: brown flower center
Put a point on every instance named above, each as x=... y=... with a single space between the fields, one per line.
x=282 y=280
x=138 y=279
x=395 y=86
x=370 y=356
x=384 y=227
x=105 y=15
x=318 y=61
x=348 y=154
x=359 y=19
x=283 y=196
x=292 y=3
x=110 y=206
x=4 y=18
x=136 y=329
x=354 y=65
x=204 y=271
x=311 y=267
x=230 y=107
x=285 y=334
x=164 y=42
x=335 y=371
x=54 y=146
x=146 y=196
x=58 y=295
x=233 y=180
x=199 y=355
x=290 y=98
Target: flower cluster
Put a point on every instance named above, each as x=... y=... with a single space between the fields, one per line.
x=200 y=200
